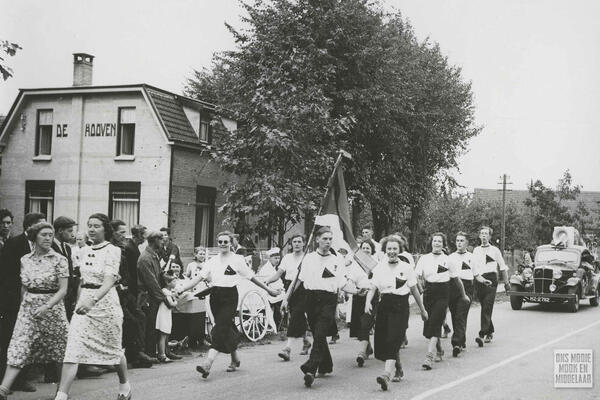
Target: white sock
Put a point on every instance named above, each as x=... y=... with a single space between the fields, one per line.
x=61 y=396
x=124 y=388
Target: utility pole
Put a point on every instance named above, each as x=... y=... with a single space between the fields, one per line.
x=503 y=228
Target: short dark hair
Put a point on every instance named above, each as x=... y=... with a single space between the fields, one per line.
x=34 y=229
x=463 y=234
x=322 y=230
x=108 y=232
x=116 y=223
x=153 y=236
x=371 y=245
x=442 y=235
x=63 y=222
x=32 y=218
x=138 y=229
x=490 y=230
x=392 y=239
x=5 y=212
x=298 y=235
x=225 y=233
x=165 y=229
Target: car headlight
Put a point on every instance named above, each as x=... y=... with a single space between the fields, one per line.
x=552 y=287
x=557 y=274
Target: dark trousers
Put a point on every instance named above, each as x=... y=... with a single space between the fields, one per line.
x=7 y=326
x=276 y=307
x=435 y=301
x=320 y=309
x=297 y=324
x=486 y=296
x=70 y=298
x=459 y=311
x=134 y=326
x=151 y=338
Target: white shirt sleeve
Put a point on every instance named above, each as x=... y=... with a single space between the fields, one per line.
x=419 y=269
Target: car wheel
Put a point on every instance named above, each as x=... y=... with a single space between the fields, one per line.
x=574 y=303
x=516 y=302
x=594 y=300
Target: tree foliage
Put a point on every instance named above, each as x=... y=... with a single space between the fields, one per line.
x=10 y=49
x=311 y=77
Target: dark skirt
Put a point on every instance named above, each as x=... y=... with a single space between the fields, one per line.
x=435 y=300
x=390 y=325
x=297 y=320
x=361 y=323
x=224 y=304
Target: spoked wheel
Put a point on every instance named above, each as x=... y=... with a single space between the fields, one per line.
x=253 y=316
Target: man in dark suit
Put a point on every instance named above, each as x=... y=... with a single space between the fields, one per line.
x=63 y=235
x=169 y=248
x=10 y=293
x=149 y=287
x=6 y=221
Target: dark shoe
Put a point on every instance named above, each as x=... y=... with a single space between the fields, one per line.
x=455 y=351
x=203 y=370
x=285 y=354
x=309 y=378
x=88 y=371
x=143 y=356
x=399 y=373
x=173 y=356
x=439 y=355
x=23 y=387
x=360 y=360
x=479 y=341
x=488 y=338
x=233 y=366
x=123 y=397
x=306 y=348
x=383 y=381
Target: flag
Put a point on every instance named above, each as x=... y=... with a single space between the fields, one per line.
x=335 y=213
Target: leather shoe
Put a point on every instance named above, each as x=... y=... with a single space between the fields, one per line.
x=173 y=356
x=143 y=356
x=23 y=387
x=89 y=371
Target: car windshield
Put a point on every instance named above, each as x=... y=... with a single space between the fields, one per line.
x=550 y=256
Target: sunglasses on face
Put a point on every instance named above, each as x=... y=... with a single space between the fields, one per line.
x=223 y=241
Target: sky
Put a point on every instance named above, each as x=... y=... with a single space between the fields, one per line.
x=533 y=64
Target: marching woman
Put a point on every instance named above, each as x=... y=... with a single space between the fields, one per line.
x=97 y=325
x=362 y=322
x=224 y=272
x=297 y=324
x=322 y=274
x=394 y=279
x=435 y=270
x=40 y=333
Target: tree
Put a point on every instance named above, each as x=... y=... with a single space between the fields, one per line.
x=9 y=49
x=310 y=77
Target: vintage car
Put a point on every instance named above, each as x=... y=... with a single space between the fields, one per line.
x=563 y=272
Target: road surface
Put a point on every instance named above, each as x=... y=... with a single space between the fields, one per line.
x=517 y=365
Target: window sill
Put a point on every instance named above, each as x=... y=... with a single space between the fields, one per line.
x=43 y=157
x=125 y=158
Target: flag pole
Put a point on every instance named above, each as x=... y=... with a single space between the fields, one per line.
x=292 y=287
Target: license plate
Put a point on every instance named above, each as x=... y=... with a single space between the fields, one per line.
x=539 y=299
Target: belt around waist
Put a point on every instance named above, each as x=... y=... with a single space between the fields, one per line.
x=392 y=296
x=90 y=286
x=41 y=291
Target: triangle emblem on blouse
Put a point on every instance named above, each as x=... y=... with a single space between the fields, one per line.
x=441 y=269
x=465 y=265
x=400 y=283
x=229 y=270
x=327 y=273
x=489 y=259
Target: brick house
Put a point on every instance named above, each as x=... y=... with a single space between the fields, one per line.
x=135 y=152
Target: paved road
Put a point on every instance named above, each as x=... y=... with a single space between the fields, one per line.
x=518 y=365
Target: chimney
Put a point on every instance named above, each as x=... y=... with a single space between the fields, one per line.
x=83 y=65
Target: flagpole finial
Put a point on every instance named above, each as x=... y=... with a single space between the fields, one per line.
x=345 y=154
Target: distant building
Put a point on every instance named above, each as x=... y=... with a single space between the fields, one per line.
x=134 y=152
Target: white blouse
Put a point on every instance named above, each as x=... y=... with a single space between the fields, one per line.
x=323 y=272
x=289 y=263
x=226 y=271
x=357 y=275
x=394 y=278
x=435 y=268
x=488 y=259
x=462 y=264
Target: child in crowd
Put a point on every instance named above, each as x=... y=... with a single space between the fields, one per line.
x=164 y=320
x=193 y=269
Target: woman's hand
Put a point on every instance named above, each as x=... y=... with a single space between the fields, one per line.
x=362 y=292
x=368 y=307
x=41 y=311
x=284 y=306
x=424 y=315
x=486 y=282
x=85 y=306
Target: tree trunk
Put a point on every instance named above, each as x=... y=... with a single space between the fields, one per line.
x=381 y=223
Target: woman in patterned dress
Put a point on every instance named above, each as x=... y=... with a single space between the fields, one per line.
x=41 y=328
x=96 y=328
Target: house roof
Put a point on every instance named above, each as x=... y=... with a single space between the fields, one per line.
x=167 y=106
